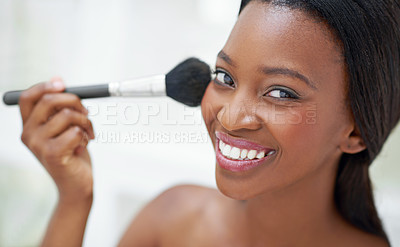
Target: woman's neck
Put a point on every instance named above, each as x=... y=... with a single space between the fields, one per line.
x=302 y=212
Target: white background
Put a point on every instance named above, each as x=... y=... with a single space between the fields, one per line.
x=92 y=41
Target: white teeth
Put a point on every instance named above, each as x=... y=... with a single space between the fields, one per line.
x=221 y=145
x=235 y=153
x=260 y=155
x=243 y=154
x=226 y=151
x=252 y=154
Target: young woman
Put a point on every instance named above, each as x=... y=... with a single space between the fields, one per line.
x=304 y=96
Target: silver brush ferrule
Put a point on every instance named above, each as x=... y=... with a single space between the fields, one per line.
x=141 y=87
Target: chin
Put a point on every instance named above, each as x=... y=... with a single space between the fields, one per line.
x=236 y=190
x=228 y=192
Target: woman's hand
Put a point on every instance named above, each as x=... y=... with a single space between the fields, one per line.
x=57 y=130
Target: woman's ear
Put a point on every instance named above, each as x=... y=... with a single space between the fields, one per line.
x=353 y=142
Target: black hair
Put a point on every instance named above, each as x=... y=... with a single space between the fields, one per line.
x=369 y=32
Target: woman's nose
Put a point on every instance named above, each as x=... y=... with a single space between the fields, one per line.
x=240 y=113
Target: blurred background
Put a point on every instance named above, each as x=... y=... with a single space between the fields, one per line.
x=142 y=146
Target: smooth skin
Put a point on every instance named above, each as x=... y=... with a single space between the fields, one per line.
x=277 y=66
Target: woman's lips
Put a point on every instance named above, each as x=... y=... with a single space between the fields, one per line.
x=241 y=143
x=240 y=164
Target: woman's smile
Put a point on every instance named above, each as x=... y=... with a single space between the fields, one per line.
x=237 y=154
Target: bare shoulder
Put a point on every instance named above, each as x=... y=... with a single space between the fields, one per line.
x=169 y=212
x=182 y=201
x=189 y=197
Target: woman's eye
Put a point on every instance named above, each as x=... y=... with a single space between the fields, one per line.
x=282 y=94
x=223 y=78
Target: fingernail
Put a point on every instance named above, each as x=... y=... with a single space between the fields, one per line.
x=58 y=85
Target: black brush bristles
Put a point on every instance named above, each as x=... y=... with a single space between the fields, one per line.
x=187 y=82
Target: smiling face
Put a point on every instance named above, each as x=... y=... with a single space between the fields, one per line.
x=276 y=110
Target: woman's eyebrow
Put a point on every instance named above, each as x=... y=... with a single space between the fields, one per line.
x=226 y=58
x=273 y=70
x=288 y=72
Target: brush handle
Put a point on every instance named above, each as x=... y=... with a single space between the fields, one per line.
x=83 y=92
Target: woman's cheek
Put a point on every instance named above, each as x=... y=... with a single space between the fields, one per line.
x=307 y=142
x=296 y=128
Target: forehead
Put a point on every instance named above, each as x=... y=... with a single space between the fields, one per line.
x=274 y=35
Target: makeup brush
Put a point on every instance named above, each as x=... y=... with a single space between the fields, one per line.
x=186 y=83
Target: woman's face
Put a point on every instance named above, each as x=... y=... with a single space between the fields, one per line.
x=276 y=110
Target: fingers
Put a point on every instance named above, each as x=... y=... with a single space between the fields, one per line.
x=70 y=142
x=48 y=114
x=60 y=150
x=31 y=96
x=64 y=119
x=49 y=104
